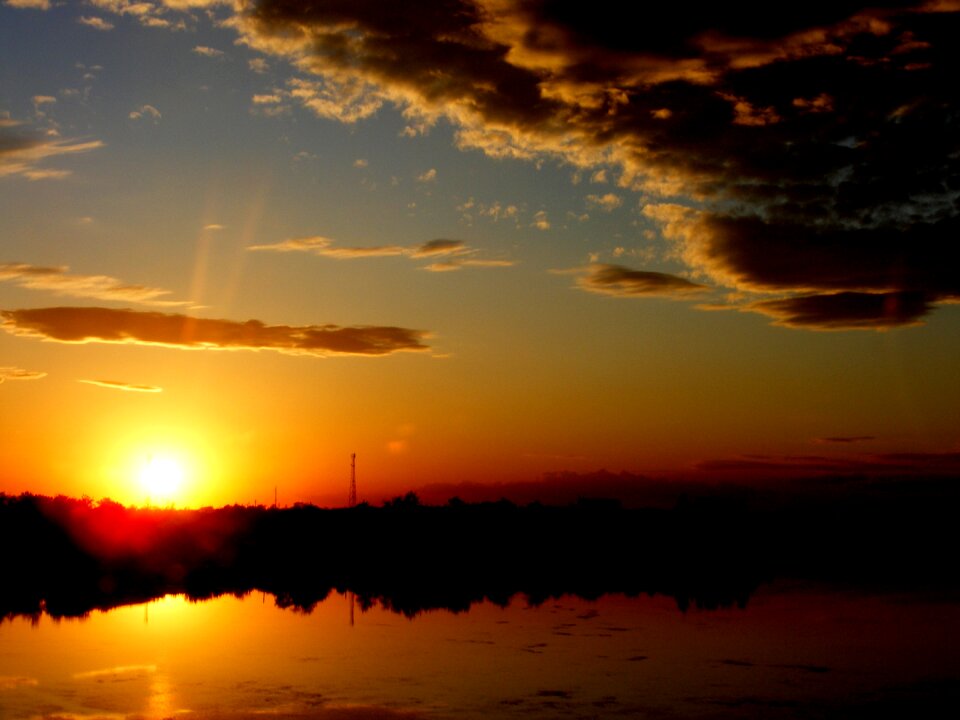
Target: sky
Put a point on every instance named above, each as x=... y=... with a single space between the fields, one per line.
x=474 y=242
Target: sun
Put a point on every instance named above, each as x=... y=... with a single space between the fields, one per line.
x=162 y=478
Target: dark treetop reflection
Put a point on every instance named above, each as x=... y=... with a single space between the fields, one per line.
x=67 y=557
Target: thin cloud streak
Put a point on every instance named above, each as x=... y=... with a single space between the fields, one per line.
x=460 y=253
x=129 y=387
x=15 y=373
x=20 y=155
x=104 y=325
x=620 y=281
x=100 y=287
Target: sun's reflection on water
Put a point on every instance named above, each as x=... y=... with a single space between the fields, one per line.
x=243 y=657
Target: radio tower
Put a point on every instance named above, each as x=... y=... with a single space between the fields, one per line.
x=352 y=501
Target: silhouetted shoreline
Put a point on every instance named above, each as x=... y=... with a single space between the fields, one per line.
x=67 y=557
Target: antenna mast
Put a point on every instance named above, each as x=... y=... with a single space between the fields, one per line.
x=352 y=501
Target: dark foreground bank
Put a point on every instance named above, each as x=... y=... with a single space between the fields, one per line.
x=67 y=557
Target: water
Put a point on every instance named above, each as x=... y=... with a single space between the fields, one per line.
x=793 y=652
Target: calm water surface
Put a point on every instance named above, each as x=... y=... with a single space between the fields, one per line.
x=793 y=652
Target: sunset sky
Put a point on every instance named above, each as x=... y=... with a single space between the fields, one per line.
x=473 y=241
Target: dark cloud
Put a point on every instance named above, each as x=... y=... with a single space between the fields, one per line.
x=820 y=143
x=847 y=310
x=624 y=282
x=438 y=247
x=104 y=325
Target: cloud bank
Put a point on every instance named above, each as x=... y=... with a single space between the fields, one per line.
x=813 y=153
x=105 y=325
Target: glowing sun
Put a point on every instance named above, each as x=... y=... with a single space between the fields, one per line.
x=162 y=478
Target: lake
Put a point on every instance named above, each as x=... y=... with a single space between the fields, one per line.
x=794 y=651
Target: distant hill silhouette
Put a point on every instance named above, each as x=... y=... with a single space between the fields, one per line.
x=67 y=557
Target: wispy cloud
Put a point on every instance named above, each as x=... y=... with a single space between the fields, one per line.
x=20 y=155
x=100 y=287
x=428 y=176
x=325 y=247
x=34 y=4
x=607 y=202
x=540 y=221
x=11 y=682
x=15 y=373
x=117 y=670
x=146 y=112
x=621 y=281
x=459 y=264
x=97 y=23
x=105 y=325
x=208 y=51
x=129 y=387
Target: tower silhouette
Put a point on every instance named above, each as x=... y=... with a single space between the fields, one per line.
x=352 y=500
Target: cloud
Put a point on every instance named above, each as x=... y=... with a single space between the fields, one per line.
x=818 y=144
x=144 y=112
x=846 y=439
x=935 y=463
x=336 y=97
x=621 y=281
x=35 y=4
x=208 y=51
x=325 y=247
x=15 y=373
x=459 y=264
x=429 y=176
x=19 y=155
x=100 y=287
x=540 y=221
x=438 y=247
x=47 y=174
x=105 y=325
x=11 y=682
x=214 y=227
x=846 y=310
x=360 y=163
x=96 y=23
x=129 y=387
x=608 y=202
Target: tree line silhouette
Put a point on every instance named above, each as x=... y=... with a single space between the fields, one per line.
x=66 y=556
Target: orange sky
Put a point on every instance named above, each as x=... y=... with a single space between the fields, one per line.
x=707 y=248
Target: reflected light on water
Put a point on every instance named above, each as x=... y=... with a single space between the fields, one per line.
x=238 y=658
